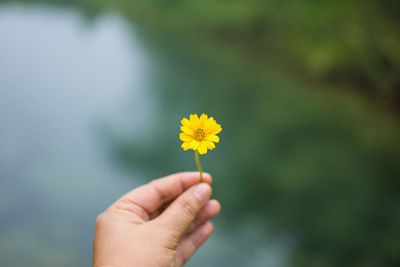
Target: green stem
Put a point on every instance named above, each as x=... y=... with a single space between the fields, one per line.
x=199 y=166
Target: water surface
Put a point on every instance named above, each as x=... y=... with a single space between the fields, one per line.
x=62 y=79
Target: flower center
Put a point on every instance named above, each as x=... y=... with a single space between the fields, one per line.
x=199 y=134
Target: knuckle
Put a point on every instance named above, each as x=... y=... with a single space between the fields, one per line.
x=100 y=219
x=189 y=207
x=133 y=208
x=169 y=238
x=171 y=241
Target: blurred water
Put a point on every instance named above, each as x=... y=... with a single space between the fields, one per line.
x=62 y=79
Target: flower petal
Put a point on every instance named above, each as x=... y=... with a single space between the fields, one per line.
x=203 y=117
x=212 y=138
x=202 y=121
x=209 y=145
x=211 y=126
x=194 y=144
x=186 y=146
x=185 y=137
x=208 y=125
x=194 y=121
x=186 y=130
x=202 y=148
x=217 y=128
x=185 y=122
x=194 y=118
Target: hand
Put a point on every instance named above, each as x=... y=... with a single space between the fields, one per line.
x=162 y=223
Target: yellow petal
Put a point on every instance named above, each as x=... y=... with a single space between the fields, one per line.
x=216 y=129
x=186 y=130
x=209 y=145
x=185 y=137
x=211 y=126
x=212 y=138
x=203 y=121
x=186 y=146
x=203 y=117
x=185 y=122
x=202 y=149
x=194 y=121
x=194 y=117
x=208 y=126
x=194 y=144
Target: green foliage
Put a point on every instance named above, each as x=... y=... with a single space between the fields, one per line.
x=347 y=42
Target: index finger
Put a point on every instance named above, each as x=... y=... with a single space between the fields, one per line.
x=148 y=198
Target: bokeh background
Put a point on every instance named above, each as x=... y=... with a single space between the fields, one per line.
x=307 y=92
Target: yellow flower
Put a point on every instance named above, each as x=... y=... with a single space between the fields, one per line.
x=199 y=133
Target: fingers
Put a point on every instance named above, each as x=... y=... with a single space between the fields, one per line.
x=184 y=210
x=209 y=211
x=148 y=198
x=190 y=244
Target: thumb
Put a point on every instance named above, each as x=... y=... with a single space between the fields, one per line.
x=183 y=211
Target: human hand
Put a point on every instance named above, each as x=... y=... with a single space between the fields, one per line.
x=161 y=223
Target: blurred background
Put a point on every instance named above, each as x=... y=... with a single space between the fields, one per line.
x=307 y=92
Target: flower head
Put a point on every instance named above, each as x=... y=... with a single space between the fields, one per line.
x=199 y=133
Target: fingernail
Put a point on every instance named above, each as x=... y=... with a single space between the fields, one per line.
x=202 y=192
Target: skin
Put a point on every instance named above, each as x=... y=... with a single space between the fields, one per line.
x=161 y=223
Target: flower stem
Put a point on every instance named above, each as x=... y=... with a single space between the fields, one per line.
x=199 y=166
